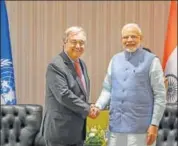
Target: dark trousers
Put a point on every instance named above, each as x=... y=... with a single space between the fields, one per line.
x=48 y=143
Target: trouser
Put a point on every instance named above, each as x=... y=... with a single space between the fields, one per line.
x=120 y=139
x=48 y=143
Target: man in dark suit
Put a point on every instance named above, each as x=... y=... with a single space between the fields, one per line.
x=67 y=94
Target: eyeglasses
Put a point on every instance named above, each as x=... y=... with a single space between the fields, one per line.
x=75 y=42
x=131 y=36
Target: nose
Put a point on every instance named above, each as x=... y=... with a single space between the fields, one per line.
x=129 y=38
x=77 y=45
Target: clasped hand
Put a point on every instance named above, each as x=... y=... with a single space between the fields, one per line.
x=94 y=111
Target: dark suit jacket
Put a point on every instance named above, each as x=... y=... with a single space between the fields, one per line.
x=66 y=104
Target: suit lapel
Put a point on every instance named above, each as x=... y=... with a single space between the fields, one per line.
x=70 y=65
x=85 y=77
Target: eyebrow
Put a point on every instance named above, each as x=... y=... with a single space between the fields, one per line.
x=77 y=40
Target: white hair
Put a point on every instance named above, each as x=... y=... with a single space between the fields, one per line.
x=72 y=31
x=132 y=25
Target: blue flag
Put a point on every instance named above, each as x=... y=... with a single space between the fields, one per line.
x=7 y=72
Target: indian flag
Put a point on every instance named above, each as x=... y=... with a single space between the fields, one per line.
x=170 y=54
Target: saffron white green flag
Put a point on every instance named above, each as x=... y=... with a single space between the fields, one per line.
x=170 y=54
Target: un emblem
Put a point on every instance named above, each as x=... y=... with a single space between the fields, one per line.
x=7 y=82
x=172 y=88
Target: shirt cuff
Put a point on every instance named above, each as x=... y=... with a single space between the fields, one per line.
x=98 y=105
x=155 y=122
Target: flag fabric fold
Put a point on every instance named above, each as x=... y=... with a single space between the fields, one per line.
x=8 y=95
x=170 y=54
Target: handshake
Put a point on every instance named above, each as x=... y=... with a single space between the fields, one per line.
x=94 y=111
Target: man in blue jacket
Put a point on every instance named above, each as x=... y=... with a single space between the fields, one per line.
x=135 y=91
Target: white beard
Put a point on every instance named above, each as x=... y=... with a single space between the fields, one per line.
x=131 y=50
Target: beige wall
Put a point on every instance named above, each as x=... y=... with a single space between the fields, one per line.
x=37 y=29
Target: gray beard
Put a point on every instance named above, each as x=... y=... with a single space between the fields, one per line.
x=131 y=50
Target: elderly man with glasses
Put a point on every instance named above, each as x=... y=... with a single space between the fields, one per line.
x=67 y=93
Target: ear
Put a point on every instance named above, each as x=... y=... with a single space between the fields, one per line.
x=141 y=37
x=64 y=41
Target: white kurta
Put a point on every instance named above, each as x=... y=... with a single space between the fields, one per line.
x=118 y=139
x=159 y=92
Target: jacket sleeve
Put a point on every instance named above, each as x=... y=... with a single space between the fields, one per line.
x=57 y=82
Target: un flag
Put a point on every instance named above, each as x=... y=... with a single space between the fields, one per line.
x=7 y=71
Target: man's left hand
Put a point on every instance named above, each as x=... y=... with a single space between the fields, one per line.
x=152 y=134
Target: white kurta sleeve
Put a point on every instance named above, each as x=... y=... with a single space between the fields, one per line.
x=105 y=95
x=159 y=91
